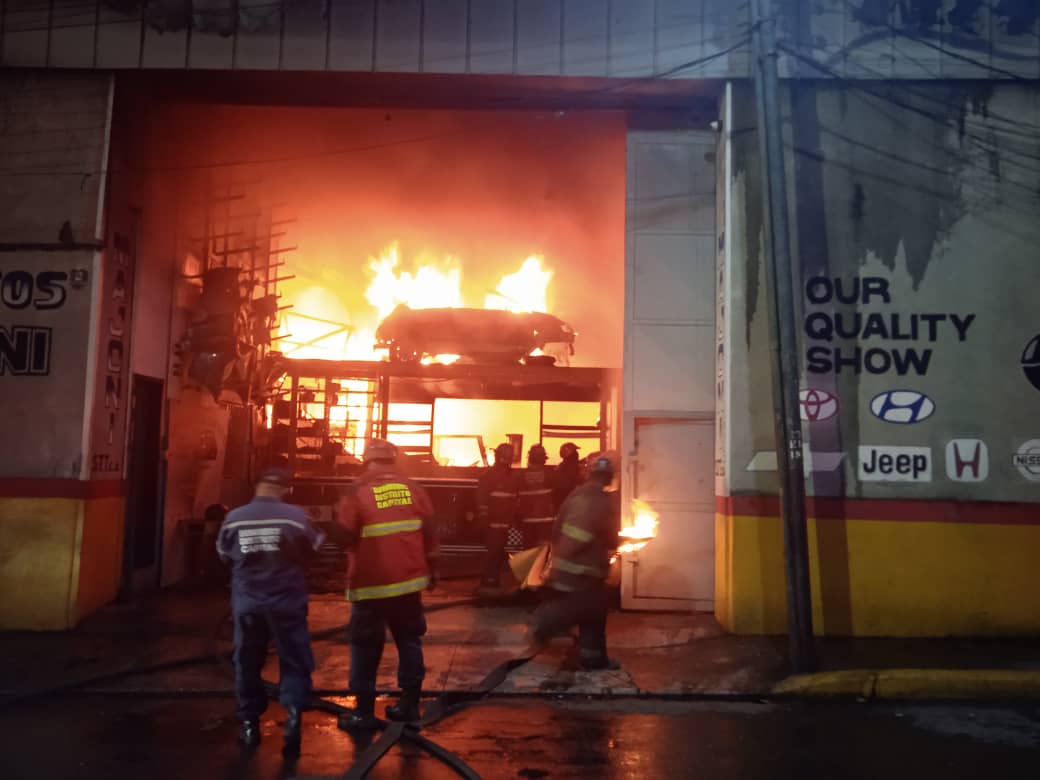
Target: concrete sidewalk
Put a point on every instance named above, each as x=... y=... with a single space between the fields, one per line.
x=661 y=655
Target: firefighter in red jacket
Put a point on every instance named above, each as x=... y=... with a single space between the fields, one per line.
x=388 y=524
x=535 y=504
x=497 y=492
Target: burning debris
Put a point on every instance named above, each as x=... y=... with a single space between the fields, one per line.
x=423 y=315
x=640 y=529
x=481 y=335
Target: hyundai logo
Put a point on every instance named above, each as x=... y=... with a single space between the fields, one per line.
x=1031 y=362
x=817 y=405
x=903 y=407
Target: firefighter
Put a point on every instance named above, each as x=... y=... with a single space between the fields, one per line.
x=584 y=538
x=266 y=543
x=497 y=494
x=387 y=524
x=568 y=475
x=535 y=503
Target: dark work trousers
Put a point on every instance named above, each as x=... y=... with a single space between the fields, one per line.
x=586 y=609
x=495 y=541
x=369 y=619
x=254 y=628
x=536 y=534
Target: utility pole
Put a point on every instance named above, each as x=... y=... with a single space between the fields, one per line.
x=783 y=337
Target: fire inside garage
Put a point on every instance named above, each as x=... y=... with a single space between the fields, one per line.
x=446 y=280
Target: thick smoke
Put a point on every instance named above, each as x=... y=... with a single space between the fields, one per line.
x=488 y=188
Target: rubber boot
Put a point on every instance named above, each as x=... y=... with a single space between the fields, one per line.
x=407 y=707
x=598 y=663
x=291 y=744
x=363 y=716
x=249 y=734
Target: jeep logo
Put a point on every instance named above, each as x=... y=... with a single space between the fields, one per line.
x=895 y=464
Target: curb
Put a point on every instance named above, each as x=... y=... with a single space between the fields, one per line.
x=914 y=684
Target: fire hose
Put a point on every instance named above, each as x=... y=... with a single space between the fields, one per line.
x=445 y=705
x=393 y=733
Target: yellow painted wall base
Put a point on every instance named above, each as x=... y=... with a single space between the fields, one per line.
x=883 y=578
x=60 y=559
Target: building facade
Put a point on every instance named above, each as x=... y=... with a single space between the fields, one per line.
x=913 y=153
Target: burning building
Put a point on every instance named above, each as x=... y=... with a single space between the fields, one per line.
x=232 y=236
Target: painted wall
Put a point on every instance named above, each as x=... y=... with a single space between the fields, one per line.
x=61 y=477
x=51 y=149
x=924 y=200
x=867 y=39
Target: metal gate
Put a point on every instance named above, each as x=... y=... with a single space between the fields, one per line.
x=669 y=371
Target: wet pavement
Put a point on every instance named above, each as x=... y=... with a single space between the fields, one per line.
x=120 y=736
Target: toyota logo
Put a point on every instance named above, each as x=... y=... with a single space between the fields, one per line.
x=817 y=405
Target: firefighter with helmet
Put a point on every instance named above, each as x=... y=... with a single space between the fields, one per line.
x=387 y=522
x=497 y=494
x=585 y=535
x=568 y=475
x=535 y=502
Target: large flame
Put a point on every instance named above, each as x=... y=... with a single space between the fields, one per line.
x=319 y=325
x=430 y=287
x=641 y=527
x=523 y=291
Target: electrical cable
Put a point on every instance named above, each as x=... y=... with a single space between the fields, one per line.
x=943 y=50
x=508 y=102
x=916 y=110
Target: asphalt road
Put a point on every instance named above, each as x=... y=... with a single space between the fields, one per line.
x=193 y=738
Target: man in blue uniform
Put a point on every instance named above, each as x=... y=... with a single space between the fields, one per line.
x=267 y=542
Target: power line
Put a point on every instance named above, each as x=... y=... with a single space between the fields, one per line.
x=503 y=103
x=943 y=50
x=940 y=119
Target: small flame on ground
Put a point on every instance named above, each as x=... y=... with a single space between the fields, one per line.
x=640 y=529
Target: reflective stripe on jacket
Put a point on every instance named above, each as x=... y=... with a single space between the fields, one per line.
x=535 y=504
x=389 y=520
x=584 y=536
x=497 y=492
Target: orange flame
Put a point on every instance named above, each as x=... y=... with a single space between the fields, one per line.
x=641 y=527
x=320 y=326
x=523 y=291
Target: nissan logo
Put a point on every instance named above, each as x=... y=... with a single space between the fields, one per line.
x=902 y=407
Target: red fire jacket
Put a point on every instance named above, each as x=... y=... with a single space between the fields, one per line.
x=389 y=523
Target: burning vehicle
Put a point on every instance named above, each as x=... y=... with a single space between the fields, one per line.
x=476 y=335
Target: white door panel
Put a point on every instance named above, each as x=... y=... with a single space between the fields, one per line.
x=669 y=374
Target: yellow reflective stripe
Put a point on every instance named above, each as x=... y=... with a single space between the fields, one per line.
x=538 y=519
x=541 y=492
x=393 y=527
x=387 y=591
x=502 y=494
x=575 y=533
x=576 y=568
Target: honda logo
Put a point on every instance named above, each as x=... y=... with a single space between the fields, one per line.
x=967 y=460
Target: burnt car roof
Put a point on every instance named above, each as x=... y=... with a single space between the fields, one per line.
x=477 y=333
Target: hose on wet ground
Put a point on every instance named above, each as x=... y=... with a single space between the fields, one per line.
x=211 y=656
x=445 y=705
x=392 y=733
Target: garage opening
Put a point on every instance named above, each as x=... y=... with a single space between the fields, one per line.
x=449 y=280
